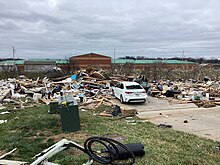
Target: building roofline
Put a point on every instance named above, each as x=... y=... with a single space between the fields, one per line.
x=123 y=61
x=90 y=54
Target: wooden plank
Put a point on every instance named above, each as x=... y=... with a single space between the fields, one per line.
x=8 y=153
x=12 y=162
x=36 y=82
x=100 y=102
x=4 y=94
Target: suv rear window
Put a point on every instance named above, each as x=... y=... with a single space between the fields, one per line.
x=134 y=87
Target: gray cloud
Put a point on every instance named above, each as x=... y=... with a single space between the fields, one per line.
x=61 y=28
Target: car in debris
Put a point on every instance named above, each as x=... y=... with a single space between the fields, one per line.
x=129 y=92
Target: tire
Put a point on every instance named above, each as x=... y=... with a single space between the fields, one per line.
x=113 y=93
x=121 y=99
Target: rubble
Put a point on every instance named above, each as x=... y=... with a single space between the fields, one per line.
x=93 y=89
x=204 y=94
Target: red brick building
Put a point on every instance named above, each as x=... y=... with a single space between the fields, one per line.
x=91 y=60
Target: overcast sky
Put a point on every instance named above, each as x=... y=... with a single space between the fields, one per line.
x=151 y=28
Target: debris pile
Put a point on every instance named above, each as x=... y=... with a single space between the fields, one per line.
x=203 y=94
x=93 y=88
x=89 y=89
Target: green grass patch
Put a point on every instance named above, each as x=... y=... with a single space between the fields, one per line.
x=33 y=130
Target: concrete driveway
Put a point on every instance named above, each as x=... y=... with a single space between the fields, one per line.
x=204 y=122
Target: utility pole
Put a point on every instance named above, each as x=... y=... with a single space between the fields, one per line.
x=113 y=65
x=13 y=51
x=184 y=65
x=114 y=55
x=182 y=54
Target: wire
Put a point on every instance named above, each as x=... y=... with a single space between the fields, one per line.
x=111 y=149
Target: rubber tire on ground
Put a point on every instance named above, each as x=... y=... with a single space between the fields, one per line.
x=121 y=99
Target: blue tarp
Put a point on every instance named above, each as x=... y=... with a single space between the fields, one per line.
x=73 y=77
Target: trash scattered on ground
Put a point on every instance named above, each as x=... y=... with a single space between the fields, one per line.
x=165 y=116
x=6 y=112
x=91 y=89
x=164 y=126
x=3 y=121
x=132 y=122
x=116 y=111
x=185 y=121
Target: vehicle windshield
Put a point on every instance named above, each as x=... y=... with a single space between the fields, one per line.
x=134 y=87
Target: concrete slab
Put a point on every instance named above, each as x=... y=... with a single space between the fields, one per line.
x=203 y=122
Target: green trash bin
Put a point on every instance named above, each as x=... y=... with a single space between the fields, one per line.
x=69 y=114
x=54 y=109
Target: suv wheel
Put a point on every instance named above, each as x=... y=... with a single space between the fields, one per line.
x=121 y=99
x=113 y=93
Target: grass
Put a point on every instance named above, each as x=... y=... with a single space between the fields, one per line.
x=33 y=130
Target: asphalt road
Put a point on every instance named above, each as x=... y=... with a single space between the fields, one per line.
x=203 y=122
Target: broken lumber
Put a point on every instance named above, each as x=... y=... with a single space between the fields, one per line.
x=97 y=75
x=8 y=153
x=4 y=94
x=100 y=102
x=128 y=112
x=12 y=162
x=36 y=82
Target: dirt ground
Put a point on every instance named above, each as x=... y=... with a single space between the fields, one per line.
x=188 y=117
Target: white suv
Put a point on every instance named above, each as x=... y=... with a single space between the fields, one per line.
x=129 y=92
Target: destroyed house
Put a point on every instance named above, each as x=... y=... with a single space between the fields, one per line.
x=63 y=64
x=90 y=60
x=143 y=64
x=11 y=65
x=39 y=66
x=44 y=65
x=34 y=65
